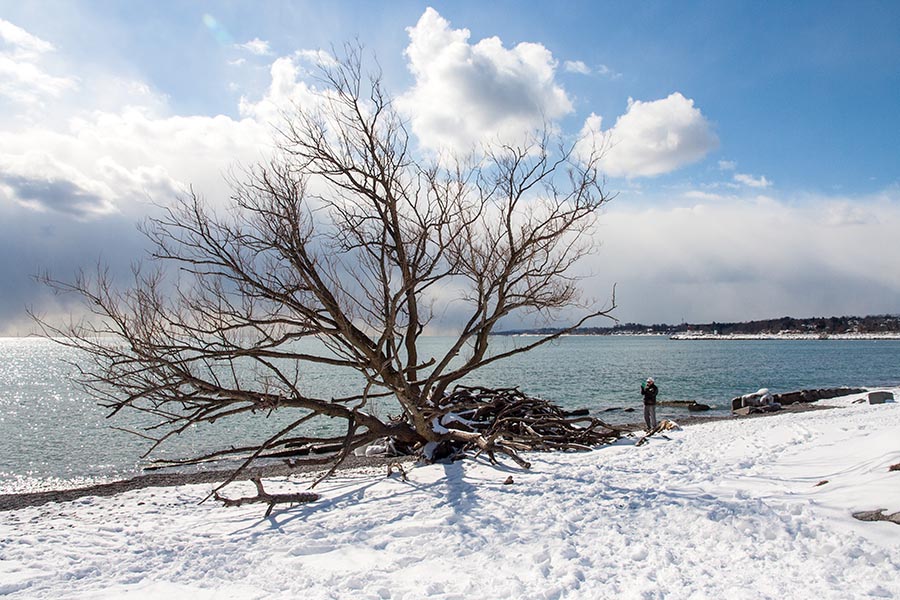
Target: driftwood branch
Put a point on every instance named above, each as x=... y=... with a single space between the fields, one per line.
x=877 y=515
x=664 y=425
x=271 y=499
x=398 y=467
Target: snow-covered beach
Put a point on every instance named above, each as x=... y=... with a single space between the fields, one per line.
x=722 y=509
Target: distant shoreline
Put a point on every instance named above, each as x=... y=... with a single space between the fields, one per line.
x=785 y=336
x=846 y=327
x=729 y=336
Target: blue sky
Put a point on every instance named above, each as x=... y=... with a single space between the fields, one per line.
x=777 y=191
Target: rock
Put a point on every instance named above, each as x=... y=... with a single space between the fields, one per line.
x=697 y=407
x=809 y=395
x=578 y=412
x=845 y=391
x=757 y=398
x=376 y=450
x=752 y=410
x=762 y=397
x=880 y=397
x=789 y=398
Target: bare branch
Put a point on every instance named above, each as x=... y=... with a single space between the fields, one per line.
x=333 y=254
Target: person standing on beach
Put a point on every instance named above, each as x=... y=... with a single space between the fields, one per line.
x=649 y=392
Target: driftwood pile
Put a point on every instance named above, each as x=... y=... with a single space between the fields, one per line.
x=487 y=421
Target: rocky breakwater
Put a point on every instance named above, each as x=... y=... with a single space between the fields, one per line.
x=763 y=401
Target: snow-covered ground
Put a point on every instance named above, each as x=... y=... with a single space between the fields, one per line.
x=721 y=510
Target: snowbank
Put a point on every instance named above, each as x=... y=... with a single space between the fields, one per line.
x=726 y=509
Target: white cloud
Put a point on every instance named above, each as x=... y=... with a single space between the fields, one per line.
x=113 y=161
x=316 y=57
x=580 y=67
x=22 y=43
x=607 y=72
x=118 y=148
x=39 y=181
x=751 y=181
x=256 y=46
x=576 y=66
x=651 y=138
x=25 y=82
x=465 y=93
x=237 y=62
x=76 y=174
x=286 y=89
x=845 y=213
x=22 y=79
x=742 y=257
x=90 y=163
x=727 y=165
x=702 y=195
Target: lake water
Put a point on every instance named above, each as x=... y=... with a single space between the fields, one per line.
x=52 y=433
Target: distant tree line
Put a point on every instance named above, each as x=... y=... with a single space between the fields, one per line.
x=817 y=325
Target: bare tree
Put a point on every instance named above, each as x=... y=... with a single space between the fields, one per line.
x=348 y=237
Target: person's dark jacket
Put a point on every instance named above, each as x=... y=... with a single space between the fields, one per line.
x=649 y=393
